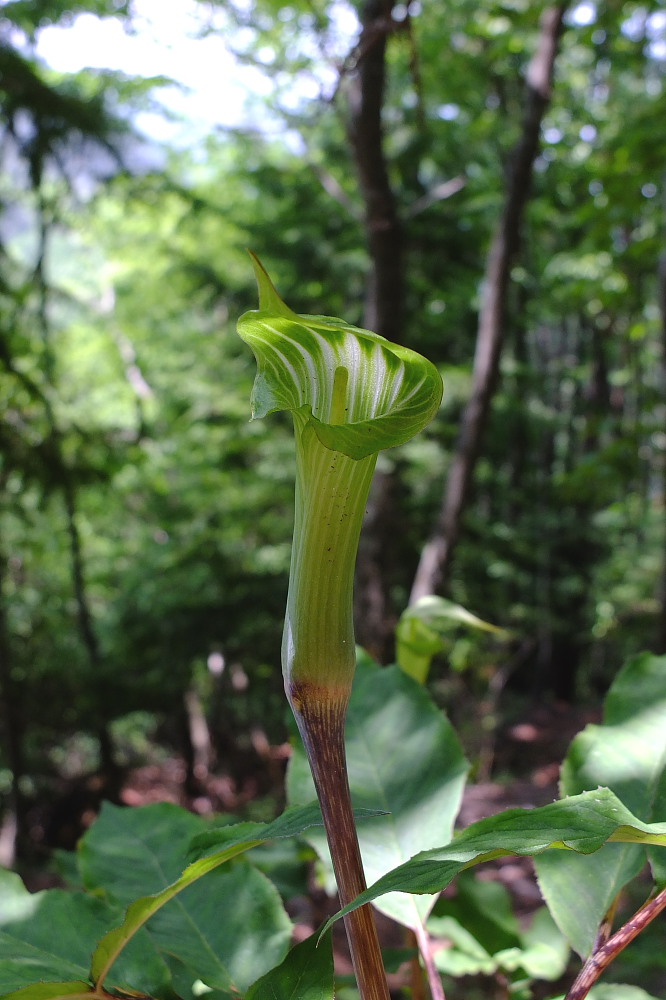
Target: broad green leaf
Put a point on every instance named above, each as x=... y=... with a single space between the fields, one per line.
x=583 y=823
x=404 y=757
x=228 y=929
x=292 y=822
x=421 y=630
x=626 y=753
x=305 y=974
x=218 y=846
x=544 y=952
x=656 y=857
x=465 y=955
x=55 y=942
x=619 y=991
x=477 y=942
x=286 y=862
x=136 y=852
x=361 y=393
x=52 y=991
x=16 y=902
x=484 y=908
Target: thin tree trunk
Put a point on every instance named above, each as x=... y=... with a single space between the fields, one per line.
x=384 y=304
x=435 y=564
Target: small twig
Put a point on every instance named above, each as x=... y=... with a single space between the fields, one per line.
x=431 y=970
x=601 y=958
x=333 y=188
x=441 y=191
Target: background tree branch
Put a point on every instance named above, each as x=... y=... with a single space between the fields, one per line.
x=435 y=563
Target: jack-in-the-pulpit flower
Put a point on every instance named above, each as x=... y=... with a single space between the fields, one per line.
x=351 y=393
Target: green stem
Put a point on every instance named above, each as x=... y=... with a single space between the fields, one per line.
x=331 y=492
x=319 y=656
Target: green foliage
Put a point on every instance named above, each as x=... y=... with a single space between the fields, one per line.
x=582 y=823
x=627 y=754
x=219 y=921
x=124 y=395
x=306 y=974
x=147 y=848
x=182 y=506
x=485 y=936
x=423 y=629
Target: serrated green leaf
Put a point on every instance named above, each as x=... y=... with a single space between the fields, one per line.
x=136 y=852
x=582 y=823
x=54 y=944
x=402 y=756
x=386 y=395
x=228 y=930
x=626 y=753
x=305 y=974
x=292 y=822
x=235 y=840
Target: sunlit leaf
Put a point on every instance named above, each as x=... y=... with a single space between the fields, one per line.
x=228 y=929
x=54 y=945
x=235 y=840
x=305 y=974
x=627 y=754
x=422 y=627
x=582 y=823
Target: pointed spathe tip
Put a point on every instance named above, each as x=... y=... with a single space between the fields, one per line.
x=269 y=300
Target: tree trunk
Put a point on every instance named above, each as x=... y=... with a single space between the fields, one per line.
x=385 y=294
x=435 y=564
x=384 y=304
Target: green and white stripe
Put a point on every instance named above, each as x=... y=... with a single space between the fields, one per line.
x=362 y=392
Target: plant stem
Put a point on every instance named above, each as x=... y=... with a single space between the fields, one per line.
x=601 y=958
x=321 y=723
x=431 y=971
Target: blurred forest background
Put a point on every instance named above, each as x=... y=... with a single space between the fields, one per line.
x=483 y=182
